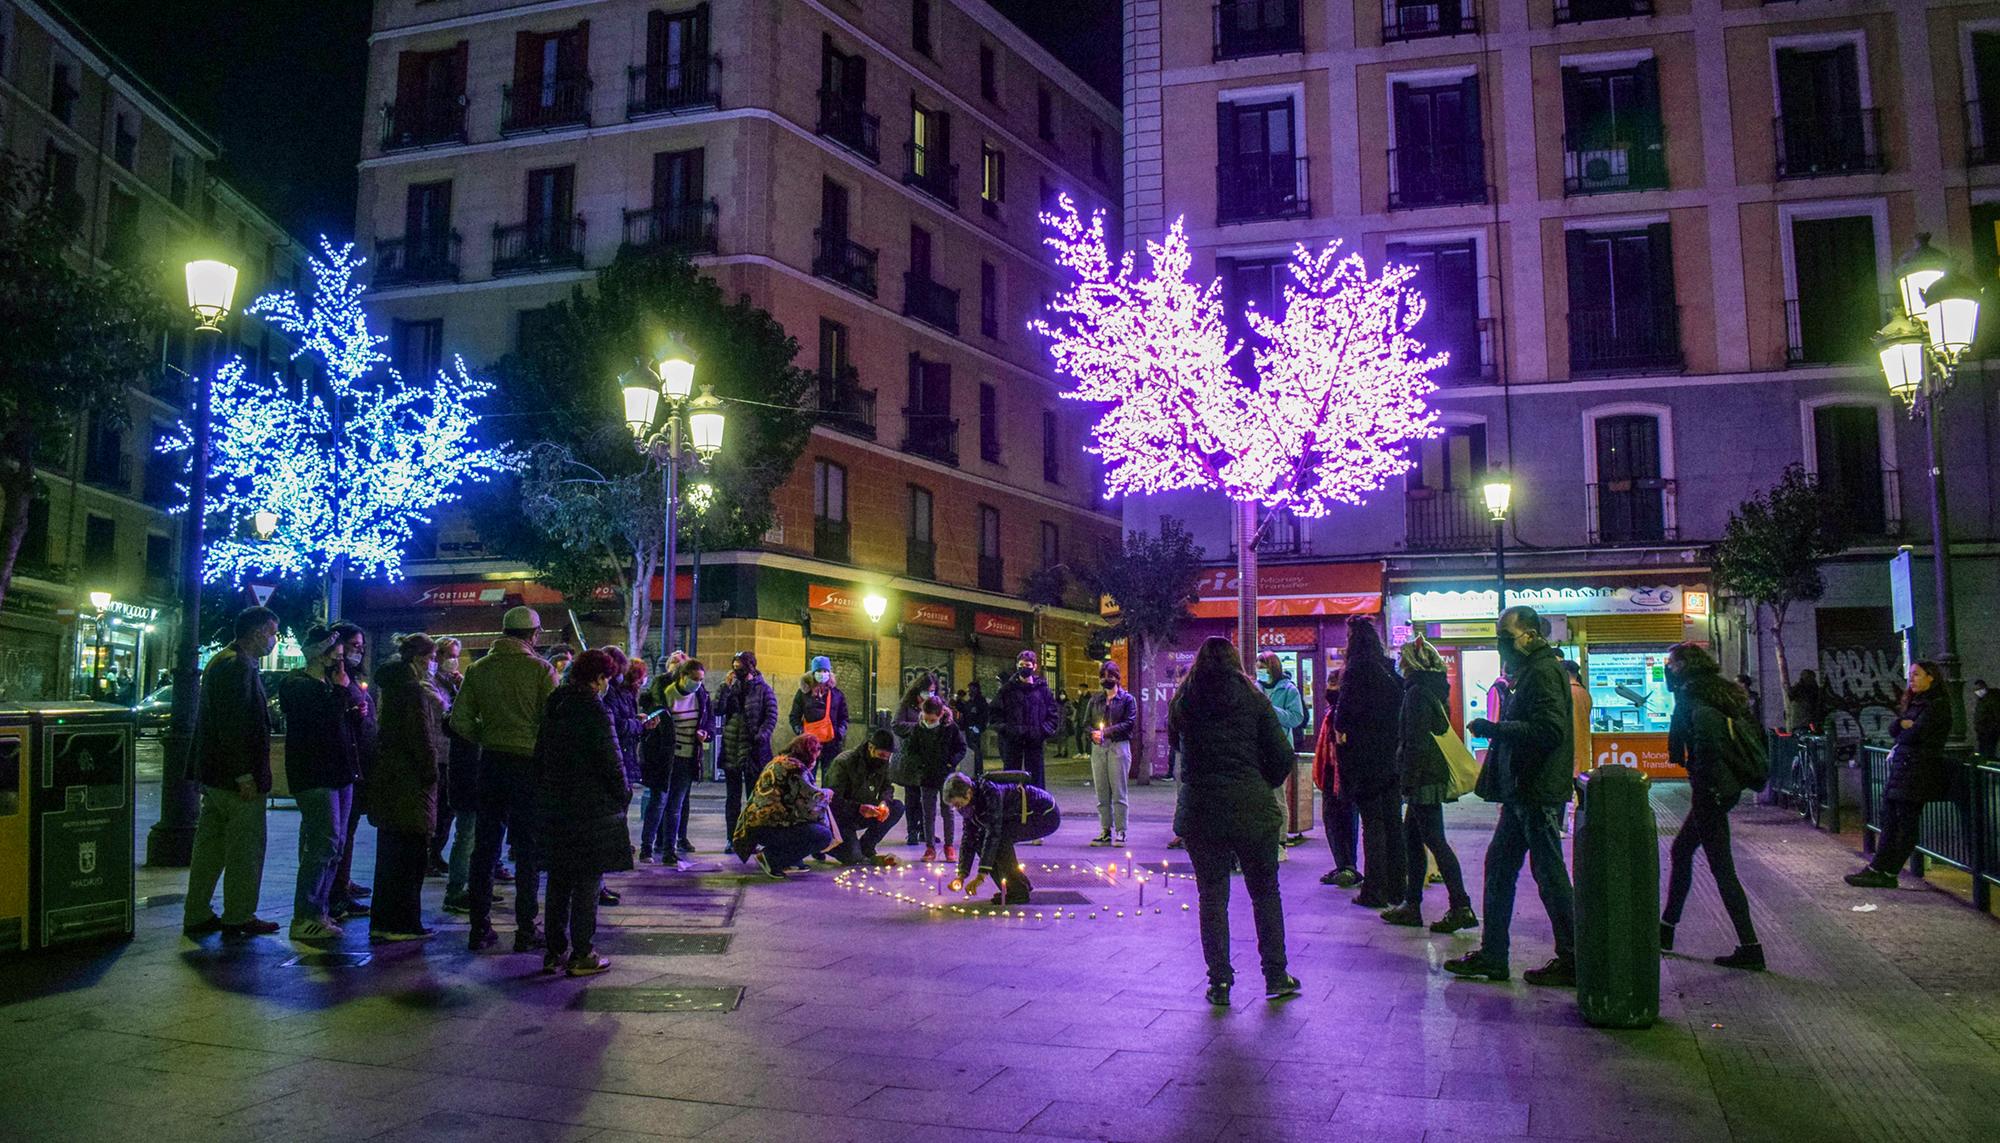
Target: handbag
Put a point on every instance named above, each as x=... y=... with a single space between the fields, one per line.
x=1458 y=760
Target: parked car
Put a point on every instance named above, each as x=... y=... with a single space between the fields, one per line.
x=156 y=710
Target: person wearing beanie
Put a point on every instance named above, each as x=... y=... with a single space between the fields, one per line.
x=1029 y=717
x=321 y=766
x=819 y=708
x=863 y=805
x=747 y=708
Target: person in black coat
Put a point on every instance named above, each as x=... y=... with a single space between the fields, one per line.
x=747 y=711
x=1000 y=811
x=930 y=751
x=862 y=806
x=1364 y=724
x=1425 y=778
x=1917 y=774
x=1710 y=716
x=1030 y=715
x=1233 y=755
x=580 y=800
x=976 y=714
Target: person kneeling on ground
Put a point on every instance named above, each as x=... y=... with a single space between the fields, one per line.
x=862 y=806
x=1001 y=810
x=786 y=819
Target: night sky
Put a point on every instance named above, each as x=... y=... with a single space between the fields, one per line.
x=280 y=82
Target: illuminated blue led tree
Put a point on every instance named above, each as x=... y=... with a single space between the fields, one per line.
x=347 y=469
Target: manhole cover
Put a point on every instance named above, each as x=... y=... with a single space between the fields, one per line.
x=162 y=900
x=327 y=960
x=664 y=944
x=1058 y=897
x=660 y=999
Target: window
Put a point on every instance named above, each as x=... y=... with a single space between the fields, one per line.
x=121 y=226
x=63 y=91
x=920 y=25
x=920 y=547
x=989 y=423
x=180 y=179
x=931 y=169
x=1051 y=545
x=1982 y=110
x=163 y=469
x=1622 y=315
x=35 y=545
x=992 y=178
x=100 y=545
x=677 y=72
x=551 y=85
x=428 y=249
x=1439 y=157
x=989 y=74
x=832 y=354
x=1612 y=138
x=1420 y=19
x=125 y=140
x=550 y=233
x=1847 y=454
x=59 y=183
x=1256 y=27
x=932 y=432
x=679 y=216
x=104 y=461
x=989 y=300
x=923 y=298
x=1051 y=448
x=829 y=511
x=843 y=97
x=839 y=257
x=992 y=572
x=1628 y=503
x=1448 y=278
x=1823 y=127
x=416 y=348
x=430 y=99
x=1834 y=258
x=1097 y=152
x=1045 y=115
x=1261 y=174
x=1454 y=462
x=159 y=562
x=1250 y=284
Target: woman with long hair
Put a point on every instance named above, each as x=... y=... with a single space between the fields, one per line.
x=403 y=789
x=1234 y=754
x=909 y=711
x=1425 y=778
x=1371 y=701
x=580 y=801
x=1917 y=774
x=786 y=819
x=1711 y=714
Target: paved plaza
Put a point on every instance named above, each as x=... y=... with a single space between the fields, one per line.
x=868 y=1018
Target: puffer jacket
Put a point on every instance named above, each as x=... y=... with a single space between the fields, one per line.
x=1371 y=703
x=580 y=790
x=1420 y=762
x=930 y=753
x=811 y=704
x=623 y=703
x=1917 y=765
x=748 y=712
x=1029 y=711
x=410 y=751
x=1233 y=754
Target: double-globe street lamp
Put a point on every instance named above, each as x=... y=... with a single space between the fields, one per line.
x=211 y=292
x=672 y=369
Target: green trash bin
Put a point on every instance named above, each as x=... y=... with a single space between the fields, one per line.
x=1617 y=900
x=77 y=811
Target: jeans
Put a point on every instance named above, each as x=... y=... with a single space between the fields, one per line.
x=1898 y=842
x=400 y=860
x=466 y=823
x=343 y=872
x=1382 y=874
x=506 y=802
x=786 y=846
x=660 y=822
x=1024 y=754
x=572 y=918
x=323 y=818
x=1213 y=859
x=1109 y=763
x=1423 y=828
x=1343 y=829
x=228 y=847
x=736 y=786
x=859 y=836
x=1707 y=828
x=929 y=808
x=1532 y=833
x=680 y=804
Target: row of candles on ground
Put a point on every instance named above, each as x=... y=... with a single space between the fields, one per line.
x=855 y=878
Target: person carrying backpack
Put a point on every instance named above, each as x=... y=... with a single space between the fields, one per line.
x=1714 y=736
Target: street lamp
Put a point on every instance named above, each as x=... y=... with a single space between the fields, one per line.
x=875 y=606
x=264 y=522
x=211 y=290
x=672 y=368
x=1499 y=492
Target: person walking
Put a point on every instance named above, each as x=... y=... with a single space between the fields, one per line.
x=1337 y=810
x=1710 y=716
x=349 y=897
x=458 y=800
x=321 y=766
x=1917 y=774
x=748 y=711
x=1029 y=717
x=999 y=812
x=500 y=710
x=785 y=820
x=1425 y=778
x=931 y=751
x=1364 y=725
x=402 y=800
x=977 y=714
x=1234 y=754
x=232 y=740
x=819 y=708
x=1527 y=771
x=579 y=812
x=859 y=782
x=674 y=754
x=909 y=710
x=1985 y=720
x=1111 y=719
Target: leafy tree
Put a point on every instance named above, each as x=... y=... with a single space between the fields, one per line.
x=71 y=339
x=1152 y=578
x=1047 y=586
x=1772 y=550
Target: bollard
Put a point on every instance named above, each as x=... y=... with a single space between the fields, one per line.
x=1617 y=858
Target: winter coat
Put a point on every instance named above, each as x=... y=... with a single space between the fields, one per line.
x=1420 y=764
x=1580 y=703
x=1029 y=711
x=403 y=789
x=1116 y=712
x=1326 y=759
x=1529 y=761
x=993 y=805
x=978 y=713
x=1698 y=741
x=1371 y=701
x=661 y=745
x=1986 y=724
x=461 y=782
x=580 y=790
x=626 y=720
x=363 y=721
x=811 y=702
x=1916 y=764
x=783 y=796
x=319 y=734
x=1287 y=701
x=856 y=778
x=748 y=711
x=501 y=701
x=929 y=754
x=232 y=723
x=1233 y=754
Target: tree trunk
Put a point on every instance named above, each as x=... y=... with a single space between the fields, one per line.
x=1784 y=663
x=1142 y=758
x=639 y=604
x=17 y=484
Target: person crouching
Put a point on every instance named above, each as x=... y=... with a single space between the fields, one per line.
x=785 y=821
x=1000 y=811
x=862 y=806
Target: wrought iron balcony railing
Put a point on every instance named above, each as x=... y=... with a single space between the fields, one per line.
x=847 y=122
x=1631 y=511
x=1256 y=28
x=428 y=122
x=841 y=259
x=930 y=303
x=1270 y=186
x=545 y=105
x=1437 y=174
x=930 y=435
x=1630 y=157
x=671 y=88
x=1404 y=20
x=845 y=405
x=1814 y=144
x=687 y=226
x=531 y=247
x=932 y=173
x=1617 y=339
x=1445 y=520
x=408 y=261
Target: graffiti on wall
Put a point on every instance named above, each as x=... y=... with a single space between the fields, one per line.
x=1861 y=671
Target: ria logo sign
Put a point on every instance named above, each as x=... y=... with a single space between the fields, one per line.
x=1612 y=755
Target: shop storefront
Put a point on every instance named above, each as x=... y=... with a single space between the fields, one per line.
x=116 y=650
x=34 y=634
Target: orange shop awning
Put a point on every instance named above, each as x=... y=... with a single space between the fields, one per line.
x=1295 y=590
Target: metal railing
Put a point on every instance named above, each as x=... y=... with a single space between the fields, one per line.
x=845 y=405
x=1961 y=830
x=1256 y=28
x=1632 y=157
x=1445 y=520
x=1404 y=20
x=1580 y=11
x=1630 y=338
x=1982 y=131
x=424 y=123
x=1266 y=186
x=688 y=226
x=427 y=258
x=847 y=122
x=1482 y=364
x=545 y=105
x=1437 y=174
x=930 y=303
x=920 y=558
x=527 y=247
x=1290 y=544
x=992 y=573
x=830 y=539
x=1813 y=144
x=1857 y=350
x=931 y=435
x=1631 y=511
x=669 y=88
x=931 y=172
x=841 y=259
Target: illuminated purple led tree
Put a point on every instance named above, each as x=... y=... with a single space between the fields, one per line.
x=1338 y=396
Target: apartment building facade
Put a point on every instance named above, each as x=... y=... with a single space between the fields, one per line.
x=1655 y=237
x=867 y=173
x=135 y=176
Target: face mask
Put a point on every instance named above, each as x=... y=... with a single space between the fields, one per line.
x=930 y=723
x=1025 y=669
x=1109 y=685
x=822 y=676
x=354 y=662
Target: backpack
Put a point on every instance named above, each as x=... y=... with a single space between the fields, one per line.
x=1747 y=757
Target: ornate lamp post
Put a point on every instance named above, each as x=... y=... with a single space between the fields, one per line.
x=673 y=368
x=1499 y=493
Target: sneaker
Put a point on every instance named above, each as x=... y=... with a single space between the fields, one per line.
x=685 y=846
x=771 y=871
x=528 y=940
x=588 y=964
x=458 y=906
x=481 y=939
x=1121 y=839
x=1558 y=973
x=1343 y=878
x=951 y=853
x=608 y=897
x=930 y=855
x=683 y=866
x=1218 y=995
x=347 y=909
x=254 y=927
x=552 y=963
x=1456 y=918
x=1283 y=988
x=1475 y=966
x=1368 y=900
x=503 y=875
x=203 y=928
x=312 y=929
x=1748 y=957
x=648 y=859
x=1037 y=841
x=1872 y=878
x=1406 y=915
x=1101 y=840
x=1666 y=937
x=357 y=891
x=396 y=937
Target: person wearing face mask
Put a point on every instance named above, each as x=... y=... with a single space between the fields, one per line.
x=1365 y=724
x=349 y=896
x=232 y=738
x=748 y=711
x=402 y=795
x=908 y=713
x=859 y=782
x=1985 y=719
x=1709 y=713
x=1917 y=774
x=1283 y=693
x=672 y=756
x=932 y=750
x=321 y=767
x=1111 y=717
x=458 y=801
x=819 y=708
x=1527 y=771
x=1029 y=717
x=579 y=808
x=444 y=676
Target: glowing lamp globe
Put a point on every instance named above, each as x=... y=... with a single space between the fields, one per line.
x=705 y=424
x=1900 y=346
x=1499 y=493
x=211 y=289
x=264 y=522
x=700 y=497
x=642 y=403
x=674 y=363
x=1951 y=313
x=1915 y=273
x=101 y=600
x=875 y=606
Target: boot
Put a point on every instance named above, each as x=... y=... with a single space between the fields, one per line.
x=1456 y=918
x=1407 y=914
x=1666 y=936
x=1749 y=957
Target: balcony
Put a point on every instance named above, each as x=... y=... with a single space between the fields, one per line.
x=1643 y=338
x=1278 y=546
x=930 y=302
x=1256 y=28
x=684 y=226
x=673 y=88
x=432 y=122
x=1832 y=341
x=1437 y=174
x=843 y=260
x=1402 y=20
x=844 y=405
x=108 y=470
x=1260 y=187
x=532 y=247
x=1632 y=157
x=830 y=539
x=1445 y=520
x=847 y=122
x=1473 y=353
x=992 y=573
x=408 y=261
x=1631 y=511
x=933 y=436
x=930 y=173
x=920 y=558
x=1982 y=132
x=1817 y=144
x=546 y=106
x=1583 y=11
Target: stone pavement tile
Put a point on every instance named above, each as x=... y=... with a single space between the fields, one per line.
x=85 y=1046
x=1372 y=1109
x=1595 y=1117
x=1024 y=1055
x=1108 y=1085
x=912 y=1044
x=1281 y=1128
x=772 y=1090
x=1001 y=1111
x=336 y=1078
x=213 y=1061
x=761 y=1125
x=472 y=1127
x=649 y=1114
x=61 y=1116
x=901 y=1071
x=321 y=1115
x=1125 y=1124
x=1121 y=1036
x=1415 y=1079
